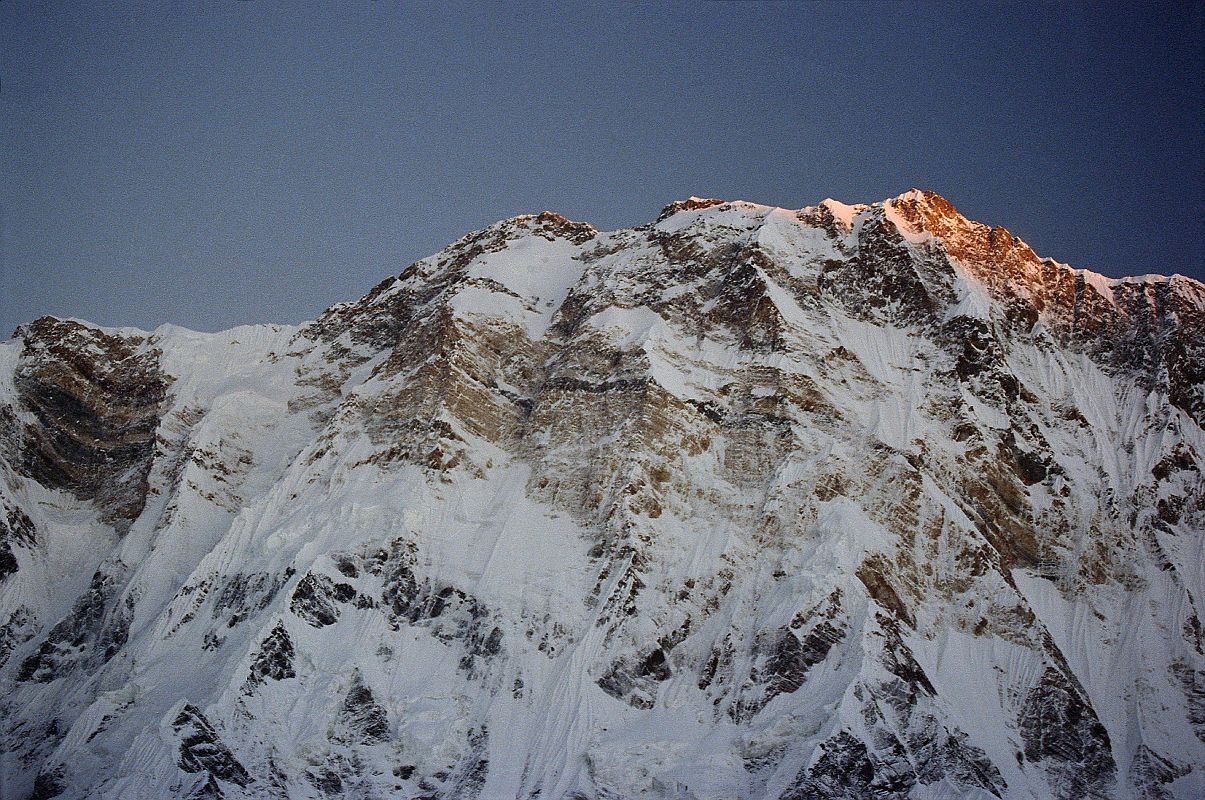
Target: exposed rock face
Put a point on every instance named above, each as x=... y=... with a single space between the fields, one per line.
x=364 y=719
x=71 y=638
x=202 y=750
x=95 y=400
x=16 y=531
x=845 y=502
x=274 y=660
x=1056 y=724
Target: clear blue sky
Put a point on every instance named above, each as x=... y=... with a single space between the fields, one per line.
x=212 y=163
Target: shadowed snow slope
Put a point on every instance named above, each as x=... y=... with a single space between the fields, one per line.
x=845 y=502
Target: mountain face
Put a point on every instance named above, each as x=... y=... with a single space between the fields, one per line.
x=846 y=502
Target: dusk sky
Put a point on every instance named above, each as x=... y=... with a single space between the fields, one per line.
x=212 y=164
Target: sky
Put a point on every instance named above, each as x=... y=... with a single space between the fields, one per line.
x=212 y=164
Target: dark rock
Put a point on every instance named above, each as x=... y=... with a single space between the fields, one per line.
x=872 y=572
x=693 y=204
x=69 y=640
x=346 y=566
x=202 y=750
x=8 y=560
x=397 y=569
x=209 y=790
x=1192 y=681
x=243 y=595
x=116 y=630
x=1030 y=467
x=883 y=282
x=635 y=681
x=782 y=662
x=1060 y=729
x=847 y=770
x=467 y=778
x=274 y=661
x=315 y=597
x=49 y=784
x=718 y=668
x=653 y=666
x=16 y=530
x=1150 y=773
x=19 y=629
x=364 y=718
x=940 y=754
x=325 y=780
x=96 y=400
x=790 y=662
x=900 y=662
x=451 y=614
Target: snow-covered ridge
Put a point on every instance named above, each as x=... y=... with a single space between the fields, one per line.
x=514 y=267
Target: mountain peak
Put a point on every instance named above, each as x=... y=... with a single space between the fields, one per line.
x=500 y=527
x=546 y=223
x=924 y=209
x=690 y=204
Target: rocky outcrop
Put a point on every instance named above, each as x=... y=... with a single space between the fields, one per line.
x=16 y=532
x=66 y=646
x=95 y=400
x=1059 y=726
x=201 y=749
x=273 y=661
x=316 y=599
x=361 y=716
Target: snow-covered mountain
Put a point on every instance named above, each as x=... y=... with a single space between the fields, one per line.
x=850 y=501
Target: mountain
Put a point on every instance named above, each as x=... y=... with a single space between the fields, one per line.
x=858 y=501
